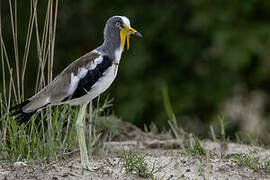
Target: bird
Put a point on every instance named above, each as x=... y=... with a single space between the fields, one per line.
x=83 y=80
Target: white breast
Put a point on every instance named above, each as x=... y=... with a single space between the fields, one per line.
x=105 y=81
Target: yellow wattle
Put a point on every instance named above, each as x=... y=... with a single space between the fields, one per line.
x=128 y=36
x=123 y=35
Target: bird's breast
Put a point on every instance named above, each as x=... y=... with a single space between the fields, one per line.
x=106 y=80
x=102 y=84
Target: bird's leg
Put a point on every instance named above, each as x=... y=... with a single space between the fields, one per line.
x=81 y=138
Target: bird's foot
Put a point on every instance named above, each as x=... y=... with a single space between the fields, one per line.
x=88 y=167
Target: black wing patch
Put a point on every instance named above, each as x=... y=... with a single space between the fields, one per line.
x=91 y=78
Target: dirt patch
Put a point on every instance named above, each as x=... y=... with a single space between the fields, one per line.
x=179 y=164
x=162 y=151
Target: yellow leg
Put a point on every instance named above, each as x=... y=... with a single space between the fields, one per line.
x=81 y=138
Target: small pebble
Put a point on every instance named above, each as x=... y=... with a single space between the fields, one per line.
x=19 y=164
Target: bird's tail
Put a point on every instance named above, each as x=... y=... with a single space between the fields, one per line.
x=21 y=116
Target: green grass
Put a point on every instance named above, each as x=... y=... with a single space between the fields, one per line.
x=135 y=163
x=196 y=149
x=32 y=141
x=174 y=125
x=222 y=128
x=35 y=141
x=106 y=128
x=251 y=162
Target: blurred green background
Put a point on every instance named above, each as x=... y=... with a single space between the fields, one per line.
x=210 y=55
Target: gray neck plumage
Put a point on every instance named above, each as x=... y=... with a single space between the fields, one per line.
x=111 y=45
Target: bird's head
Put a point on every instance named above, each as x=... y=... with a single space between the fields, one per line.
x=120 y=26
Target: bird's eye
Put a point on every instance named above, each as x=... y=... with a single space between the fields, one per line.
x=118 y=24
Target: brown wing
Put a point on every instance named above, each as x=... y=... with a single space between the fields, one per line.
x=59 y=89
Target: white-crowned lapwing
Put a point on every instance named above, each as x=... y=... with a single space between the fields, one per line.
x=83 y=80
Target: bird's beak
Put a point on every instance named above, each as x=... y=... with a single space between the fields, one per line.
x=125 y=33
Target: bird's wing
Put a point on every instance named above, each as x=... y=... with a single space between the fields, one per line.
x=92 y=75
x=70 y=83
x=73 y=82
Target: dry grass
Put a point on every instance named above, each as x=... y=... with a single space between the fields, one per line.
x=52 y=134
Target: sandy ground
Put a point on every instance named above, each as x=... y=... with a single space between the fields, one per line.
x=179 y=164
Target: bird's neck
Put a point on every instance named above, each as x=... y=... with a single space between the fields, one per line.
x=112 y=48
x=118 y=54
